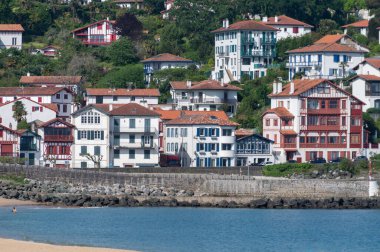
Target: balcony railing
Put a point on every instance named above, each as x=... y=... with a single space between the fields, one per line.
x=325 y=111
x=304 y=64
x=356 y=111
x=324 y=127
x=223 y=54
x=247 y=151
x=212 y=100
x=288 y=145
x=356 y=129
x=268 y=41
x=58 y=138
x=258 y=54
x=323 y=145
x=95 y=42
x=136 y=145
x=149 y=130
x=248 y=40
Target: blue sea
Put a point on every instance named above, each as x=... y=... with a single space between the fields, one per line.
x=196 y=229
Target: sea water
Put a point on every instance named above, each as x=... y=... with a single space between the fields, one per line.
x=196 y=229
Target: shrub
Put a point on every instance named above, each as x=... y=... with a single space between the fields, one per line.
x=281 y=170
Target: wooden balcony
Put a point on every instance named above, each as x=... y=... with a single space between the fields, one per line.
x=356 y=129
x=323 y=145
x=288 y=145
x=356 y=111
x=324 y=111
x=324 y=127
x=355 y=145
x=59 y=138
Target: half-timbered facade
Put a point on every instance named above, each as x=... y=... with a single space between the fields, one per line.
x=313 y=118
x=97 y=34
x=9 y=140
x=253 y=149
x=57 y=140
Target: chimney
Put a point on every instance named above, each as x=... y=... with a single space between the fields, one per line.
x=108 y=19
x=226 y=23
x=188 y=84
x=291 y=87
x=274 y=87
x=279 y=87
x=110 y=107
x=27 y=74
x=265 y=19
x=276 y=19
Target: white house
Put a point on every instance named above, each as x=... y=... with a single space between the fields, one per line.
x=97 y=34
x=34 y=111
x=205 y=95
x=59 y=96
x=163 y=61
x=201 y=140
x=311 y=119
x=287 y=27
x=143 y=97
x=369 y=66
x=11 y=36
x=129 y=4
x=361 y=27
x=324 y=59
x=74 y=83
x=120 y=135
x=168 y=6
x=244 y=49
x=367 y=89
x=253 y=149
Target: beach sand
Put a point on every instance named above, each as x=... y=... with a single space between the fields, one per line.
x=14 y=202
x=9 y=245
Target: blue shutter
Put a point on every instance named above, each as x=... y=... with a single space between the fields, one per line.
x=344 y=58
x=336 y=58
x=198 y=162
x=218 y=162
x=209 y=162
x=217 y=132
x=198 y=132
x=319 y=58
x=197 y=147
x=102 y=135
x=92 y=135
x=210 y=131
x=78 y=134
x=206 y=131
x=88 y=134
x=229 y=161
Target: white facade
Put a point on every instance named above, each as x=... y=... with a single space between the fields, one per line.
x=242 y=52
x=99 y=33
x=327 y=65
x=287 y=27
x=144 y=101
x=11 y=36
x=201 y=145
x=367 y=89
x=370 y=66
x=34 y=111
x=129 y=4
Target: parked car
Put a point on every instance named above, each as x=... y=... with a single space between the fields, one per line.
x=360 y=158
x=336 y=160
x=265 y=163
x=319 y=160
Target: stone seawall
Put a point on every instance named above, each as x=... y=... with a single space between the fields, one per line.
x=203 y=184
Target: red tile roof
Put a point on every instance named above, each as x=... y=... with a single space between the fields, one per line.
x=166 y=57
x=45 y=124
x=244 y=132
x=332 y=47
x=11 y=27
x=203 y=85
x=280 y=112
x=50 y=79
x=285 y=20
x=375 y=62
x=358 y=24
x=201 y=120
x=9 y=129
x=133 y=109
x=173 y=114
x=367 y=77
x=328 y=39
x=247 y=25
x=100 y=21
x=122 y=92
x=50 y=106
x=29 y=91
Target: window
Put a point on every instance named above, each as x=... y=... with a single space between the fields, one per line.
x=202 y=131
x=212 y=147
x=65 y=96
x=333 y=104
x=83 y=150
x=343 y=121
x=336 y=58
x=99 y=26
x=280 y=104
x=355 y=139
x=343 y=139
x=116 y=154
x=226 y=146
x=295 y=30
x=132 y=154
x=96 y=134
x=184 y=146
x=267 y=122
x=99 y=100
x=132 y=138
x=64 y=108
x=132 y=123
x=176 y=147
x=83 y=119
x=39 y=99
x=355 y=121
x=201 y=147
x=288 y=104
x=303 y=120
x=333 y=139
x=343 y=104
x=312 y=104
x=226 y=132
x=114 y=98
x=58 y=96
x=83 y=164
x=97 y=150
x=146 y=154
x=213 y=132
x=183 y=132
x=133 y=98
x=176 y=132
x=83 y=134
x=14 y=41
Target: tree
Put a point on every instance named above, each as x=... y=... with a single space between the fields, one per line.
x=128 y=25
x=19 y=111
x=354 y=5
x=327 y=26
x=129 y=76
x=96 y=159
x=154 y=7
x=122 y=52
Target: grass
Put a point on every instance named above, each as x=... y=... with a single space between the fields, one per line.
x=13 y=179
x=37 y=45
x=281 y=170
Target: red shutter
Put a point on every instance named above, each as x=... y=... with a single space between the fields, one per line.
x=1 y=133
x=320 y=154
x=39 y=99
x=348 y=155
x=1 y=120
x=328 y=155
x=342 y=154
x=307 y=155
x=1 y=99
x=41 y=108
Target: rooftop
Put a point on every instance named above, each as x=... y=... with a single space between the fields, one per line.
x=100 y=21
x=247 y=25
x=358 y=24
x=332 y=38
x=280 y=112
x=166 y=57
x=203 y=85
x=332 y=47
x=367 y=77
x=173 y=114
x=29 y=91
x=122 y=92
x=11 y=27
x=201 y=120
x=285 y=20
x=50 y=79
x=375 y=62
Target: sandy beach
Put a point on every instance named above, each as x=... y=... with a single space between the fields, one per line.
x=14 y=202
x=9 y=245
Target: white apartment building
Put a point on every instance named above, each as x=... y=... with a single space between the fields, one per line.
x=367 y=89
x=287 y=27
x=73 y=83
x=314 y=118
x=129 y=4
x=369 y=66
x=61 y=97
x=163 y=61
x=143 y=97
x=201 y=140
x=361 y=27
x=121 y=135
x=34 y=111
x=207 y=95
x=244 y=49
x=11 y=36
x=325 y=59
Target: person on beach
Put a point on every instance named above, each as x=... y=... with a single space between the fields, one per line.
x=14 y=210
